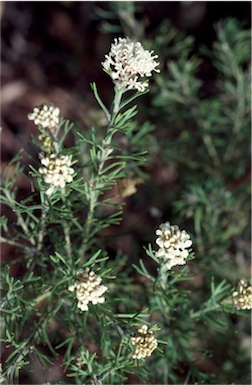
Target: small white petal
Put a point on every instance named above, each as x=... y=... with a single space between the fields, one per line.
x=173 y=245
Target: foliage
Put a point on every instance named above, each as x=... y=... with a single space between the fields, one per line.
x=202 y=134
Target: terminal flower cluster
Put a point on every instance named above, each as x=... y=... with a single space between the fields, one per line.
x=56 y=170
x=145 y=343
x=46 y=117
x=88 y=289
x=242 y=298
x=128 y=62
x=173 y=245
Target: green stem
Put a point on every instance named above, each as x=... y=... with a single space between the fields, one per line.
x=116 y=103
x=20 y=219
x=92 y=203
x=42 y=296
x=66 y=229
x=163 y=277
x=36 y=336
x=41 y=234
x=12 y=243
x=104 y=153
x=67 y=240
x=211 y=149
x=197 y=314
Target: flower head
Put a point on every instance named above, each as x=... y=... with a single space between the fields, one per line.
x=45 y=117
x=88 y=289
x=173 y=245
x=242 y=298
x=46 y=143
x=145 y=343
x=128 y=62
x=57 y=171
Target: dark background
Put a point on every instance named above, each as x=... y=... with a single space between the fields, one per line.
x=51 y=52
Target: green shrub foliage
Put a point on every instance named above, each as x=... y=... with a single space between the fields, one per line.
x=159 y=313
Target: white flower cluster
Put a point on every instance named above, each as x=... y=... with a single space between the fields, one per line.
x=57 y=171
x=46 y=117
x=88 y=289
x=145 y=343
x=242 y=298
x=127 y=62
x=173 y=245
